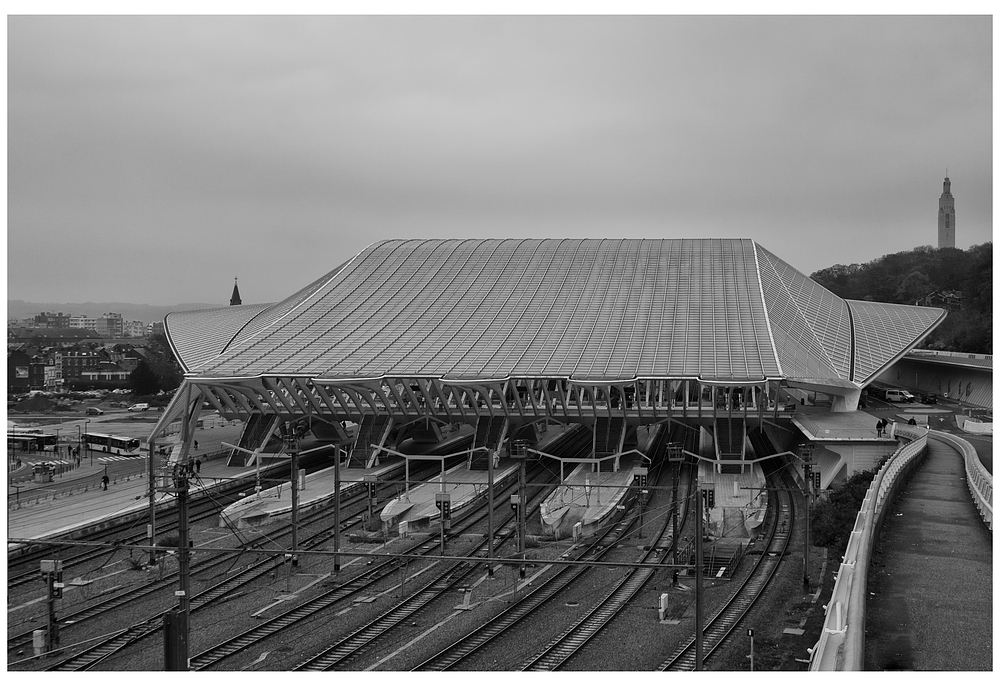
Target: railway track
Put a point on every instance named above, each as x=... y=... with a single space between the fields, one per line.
x=201 y=508
x=325 y=601
x=476 y=640
x=720 y=626
x=455 y=575
x=570 y=642
x=23 y=565
x=95 y=654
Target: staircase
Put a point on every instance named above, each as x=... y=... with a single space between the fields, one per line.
x=489 y=433
x=730 y=440
x=760 y=443
x=256 y=431
x=719 y=560
x=371 y=430
x=608 y=435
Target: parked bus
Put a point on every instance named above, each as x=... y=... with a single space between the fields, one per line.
x=118 y=445
x=30 y=442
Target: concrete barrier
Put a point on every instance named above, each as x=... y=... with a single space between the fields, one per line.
x=841 y=645
x=979 y=480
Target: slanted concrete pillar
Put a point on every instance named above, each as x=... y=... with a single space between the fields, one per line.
x=848 y=402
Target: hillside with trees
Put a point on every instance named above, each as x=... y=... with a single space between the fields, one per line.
x=928 y=276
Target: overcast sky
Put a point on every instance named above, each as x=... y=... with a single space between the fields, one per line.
x=152 y=159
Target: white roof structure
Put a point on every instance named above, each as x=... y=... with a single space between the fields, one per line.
x=585 y=310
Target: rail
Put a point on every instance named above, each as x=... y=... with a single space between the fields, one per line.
x=841 y=645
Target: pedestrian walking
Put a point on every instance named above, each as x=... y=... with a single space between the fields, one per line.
x=196 y=445
x=104 y=481
x=878 y=428
x=197 y=466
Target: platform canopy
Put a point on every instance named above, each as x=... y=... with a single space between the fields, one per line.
x=590 y=310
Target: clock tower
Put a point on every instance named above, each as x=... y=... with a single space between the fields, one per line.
x=946 y=217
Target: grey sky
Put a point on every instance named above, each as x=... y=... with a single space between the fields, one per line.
x=152 y=159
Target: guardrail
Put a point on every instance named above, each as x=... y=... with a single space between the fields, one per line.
x=979 y=480
x=841 y=645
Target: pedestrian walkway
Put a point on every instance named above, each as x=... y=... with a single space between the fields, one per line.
x=930 y=582
x=107 y=459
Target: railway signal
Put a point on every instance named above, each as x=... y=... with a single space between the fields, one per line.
x=371 y=483
x=640 y=475
x=52 y=573
x=443 y=502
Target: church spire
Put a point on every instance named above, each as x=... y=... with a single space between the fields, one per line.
x=235 y=300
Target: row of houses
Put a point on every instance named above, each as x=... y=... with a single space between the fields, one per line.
x=57 y=367
x=108 y=325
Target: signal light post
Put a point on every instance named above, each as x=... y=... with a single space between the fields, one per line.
x=520 y=453
x=53 y=575
x=699 y=636
x=641 y=474
x=292 y=441
x=489 y=543
x=675 y=456
x=443 y=502
x=177 y=627
x=371 y=483
x=806 y=450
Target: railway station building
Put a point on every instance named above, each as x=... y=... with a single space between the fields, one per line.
x=511 y=336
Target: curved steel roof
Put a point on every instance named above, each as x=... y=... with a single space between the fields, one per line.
x=601 y=310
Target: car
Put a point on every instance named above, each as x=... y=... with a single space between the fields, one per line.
x=929 y=399
x=139 y=407
x=95 y=410
x=896 y=395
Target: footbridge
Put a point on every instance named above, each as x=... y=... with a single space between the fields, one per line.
x=841 y=646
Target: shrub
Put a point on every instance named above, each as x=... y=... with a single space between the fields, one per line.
x=833 y=517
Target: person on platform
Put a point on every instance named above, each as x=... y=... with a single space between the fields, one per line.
x=197 y=466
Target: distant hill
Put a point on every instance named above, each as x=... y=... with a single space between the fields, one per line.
x=129 y=311
x=923 y=276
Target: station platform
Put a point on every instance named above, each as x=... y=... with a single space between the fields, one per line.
x=416 y=509
x=739 y=501
x=74 y=511
x=315 y=490
x=820 y=424
x=845 y=442
x=587 y=497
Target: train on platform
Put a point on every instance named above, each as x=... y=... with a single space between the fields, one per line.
x=117 y=445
